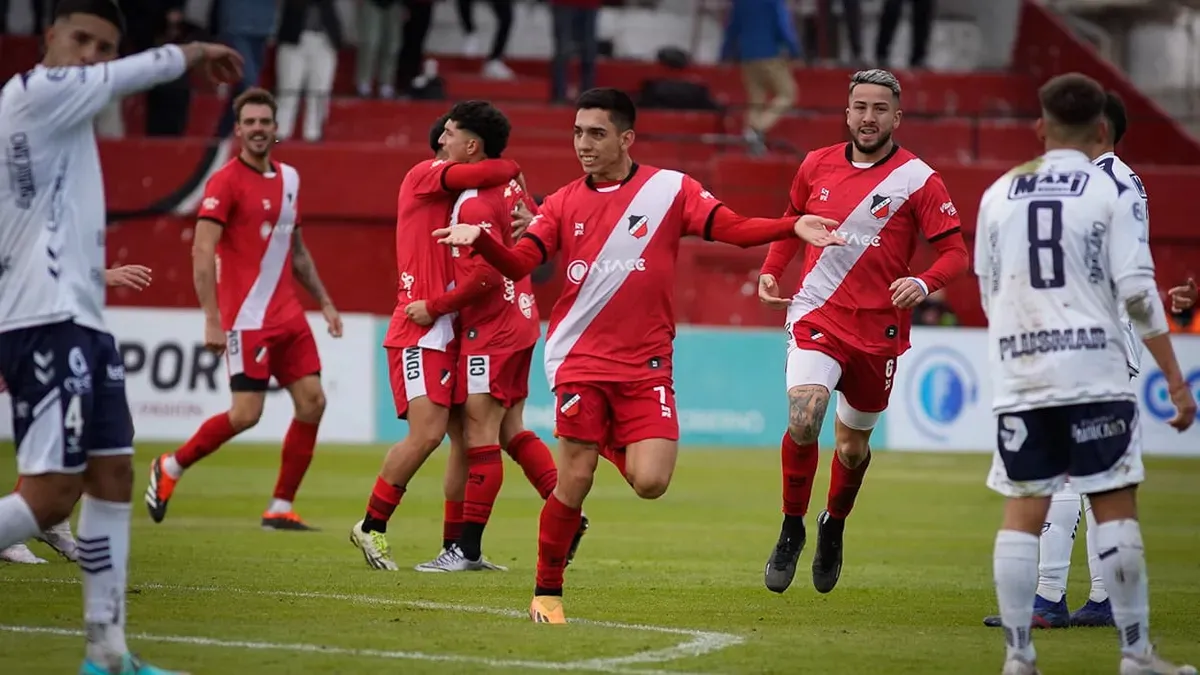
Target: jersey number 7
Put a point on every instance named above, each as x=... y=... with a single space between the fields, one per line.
x=1045 y=234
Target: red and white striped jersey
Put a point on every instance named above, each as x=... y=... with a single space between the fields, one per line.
x=615 y=319
x=259 y=212
x=883 y=209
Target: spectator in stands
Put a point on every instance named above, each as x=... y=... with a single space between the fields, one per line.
x=246 y=25
x=935 y=311
x=575 y=23
x=310 y=36
x=494 y=68
x=151 y=23
x=852 y=18
x=37 y=9
x=922 y=28
x=760 y=35
x=378 y=46
x=418 y=18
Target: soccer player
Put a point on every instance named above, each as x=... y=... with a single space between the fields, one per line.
x=609 y=347
x=1055 y=237
x=247 y=254
x=423 y=360
x=1050 y=609
x=849 y=321
x=500 y=324
x=72 y=423
x=59 y=537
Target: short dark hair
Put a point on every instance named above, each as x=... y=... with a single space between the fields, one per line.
x=102 y=9
x=1114 y=112
x=485 y=121
x=435 y=133
x=1073 y=100
x=616 y=103
x=253 y=96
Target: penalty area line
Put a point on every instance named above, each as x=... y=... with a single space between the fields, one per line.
x=698 y=643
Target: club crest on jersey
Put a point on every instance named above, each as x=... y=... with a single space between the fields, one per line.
x=881 y=206
x=639 y=226
x=525 y=302
x=570 y=404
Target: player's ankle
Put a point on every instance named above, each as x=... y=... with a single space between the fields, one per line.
x=372 y=524
x=539 y=591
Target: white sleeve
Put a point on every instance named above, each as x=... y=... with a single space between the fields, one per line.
x=983 y=259
x=1132 y=267
x=66 y=97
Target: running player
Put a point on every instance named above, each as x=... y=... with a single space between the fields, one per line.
x=608 y=351
x=1056 y=237
x=488 y=306
x=72 y=424
x=246 y=255
x=422 y=360
x=849 y=321
x=59 y=537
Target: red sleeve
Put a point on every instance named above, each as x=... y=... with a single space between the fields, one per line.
x=938 y=220
x=784 y=251
x=699 y=206
x=218 y=201
x=486 y=174
x=730 y=228
x=483 y=278
x=545 y=228
x=514 y=263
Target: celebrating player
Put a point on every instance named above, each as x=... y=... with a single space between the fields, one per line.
x=59 y=537
x=423 y=359
x=73 y=429
x=849 y=321
x=246 y=253
x=1055 y=236
x=1050 y=609
x=494 y=314
x=608 y=351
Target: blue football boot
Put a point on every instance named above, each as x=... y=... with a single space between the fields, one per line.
x=1046 y=614
x=1093 y=615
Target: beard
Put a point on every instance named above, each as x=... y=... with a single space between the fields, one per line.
x=881 y=139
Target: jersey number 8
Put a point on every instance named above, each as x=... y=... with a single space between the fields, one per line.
x=1045 y=234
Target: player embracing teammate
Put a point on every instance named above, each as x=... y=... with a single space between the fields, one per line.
x=849 y=321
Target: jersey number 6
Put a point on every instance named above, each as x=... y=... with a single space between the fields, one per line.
x=1045 y=234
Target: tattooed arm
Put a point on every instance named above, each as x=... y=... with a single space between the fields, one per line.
x=306 y=272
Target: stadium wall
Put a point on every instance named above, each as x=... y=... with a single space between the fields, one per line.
x=730 y=387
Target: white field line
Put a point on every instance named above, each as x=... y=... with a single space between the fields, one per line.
x=700 y=642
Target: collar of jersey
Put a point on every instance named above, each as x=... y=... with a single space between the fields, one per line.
x=850 y=155
x=632 y=170
x=1065 y=153
x=272 y=171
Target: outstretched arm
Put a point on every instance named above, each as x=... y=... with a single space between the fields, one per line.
x=485 y=174
x=517 y=262
x=483 y=278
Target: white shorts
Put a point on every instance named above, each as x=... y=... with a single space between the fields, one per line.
x=808 y=367
x=1096 y=447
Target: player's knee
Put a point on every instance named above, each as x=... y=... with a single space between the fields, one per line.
x=311 y=406
x=803 y=434
x=852 y=450
x=650 y=486
x=806 y=412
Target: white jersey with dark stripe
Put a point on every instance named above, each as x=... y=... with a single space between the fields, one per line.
x=1121 y=172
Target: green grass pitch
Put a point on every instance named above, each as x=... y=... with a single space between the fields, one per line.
x=212 y=593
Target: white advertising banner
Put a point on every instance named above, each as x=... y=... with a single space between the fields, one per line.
x=174 y=384
x=942 y=395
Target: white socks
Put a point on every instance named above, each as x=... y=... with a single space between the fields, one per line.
x=1123 y=564
x=104 y=560
x=172 y=468
x=279 y=506
x=1015 y=569
x=1098 y=594
x=17 y=523
x=1058 y=538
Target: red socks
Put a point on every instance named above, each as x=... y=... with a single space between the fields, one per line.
x=298 y=447
x=535 y=460
x=799 y=469
x=214 y=433
x=556 y=529
x=452 y=522
x=485 y=475
x=384 y=500
x=844 y=485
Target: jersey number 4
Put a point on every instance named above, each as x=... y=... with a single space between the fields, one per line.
x=1045 y=245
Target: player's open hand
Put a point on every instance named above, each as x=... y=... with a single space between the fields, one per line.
x=214 y=337
x=906 y=293
x=333 y=320
x=522 y=217
x=136 y=277
x=768 y=292
x=1185 y=406
x=1183 y=297
x=223 y=64
x=418 y=313
x=458 y=235
x=818 y=231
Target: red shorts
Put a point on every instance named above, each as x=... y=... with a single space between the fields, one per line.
x=415 y=372
x=616 y=413
x=286 y=352
x=865 y=379
x=504 y=376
